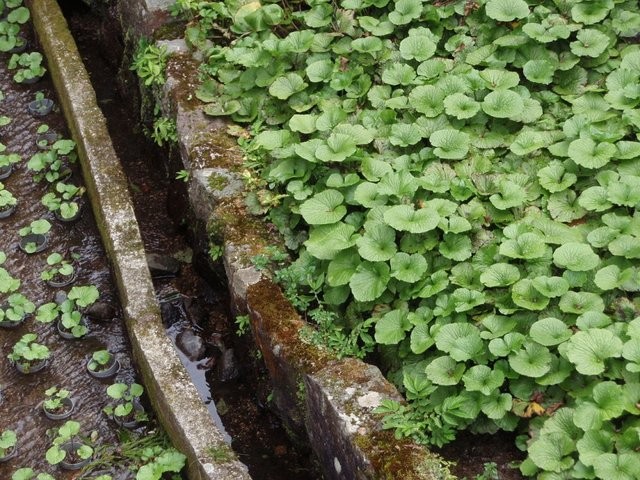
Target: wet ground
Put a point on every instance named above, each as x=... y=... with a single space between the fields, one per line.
x=21 y=394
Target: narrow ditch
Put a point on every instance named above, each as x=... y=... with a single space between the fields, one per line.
x=194 y=300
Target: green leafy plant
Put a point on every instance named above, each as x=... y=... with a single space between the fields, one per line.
x=183 y=175
x=28 y=65
x=8 y=283
x=7 y=159
x=7 y=200
x=8 y=441
x=460 y=180
x=27 y=473
x=55 y=399
x=243 y=324
x=149 y=62
x=164 y=131
x=126 y=397
x=58 y=268
x=100 y=360
x=67 y=444
x=27 y=352
x=64 y=200
x=37 y=227
x=71 y=319
x=16 y=308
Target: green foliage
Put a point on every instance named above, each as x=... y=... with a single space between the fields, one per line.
x=149 y=62
x=462 y=181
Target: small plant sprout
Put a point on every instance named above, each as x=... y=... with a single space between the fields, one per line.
x=183 y=175
x=67 y=445
x=71 y=319
x=59 y=270
x=47 y=312
x=57 y=401
x=7 y=159
x=27 y=354
x=34 y=232
x=64 y=200
x=164 y=131
x=28 y=65
x=7 y=200
x=127 y=407
x=8 y=283
x=17 y=307
x=100 y=360
x=27 y=473
x=8 y=440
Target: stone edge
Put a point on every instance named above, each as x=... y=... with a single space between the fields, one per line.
x=305 y=376
x=173 y=396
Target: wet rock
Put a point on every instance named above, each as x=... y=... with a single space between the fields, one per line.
x=162 y=265
x=226 y=366
x=60 y=296
x=100 y=311
x=190 y=344
x=172 y=312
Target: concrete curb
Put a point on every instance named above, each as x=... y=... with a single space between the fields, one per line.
x=173 y=396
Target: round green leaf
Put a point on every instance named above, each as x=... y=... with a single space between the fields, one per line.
x=550 y=287
x=378 y=243
x=500 y=275
x=549 y=331
x=408 y=268
x=390 y=329
x=531 y=361
x=450 y=144
x=551 y=452
x=460 y=106
x=621 y=466
x=460 y=340
x=589 y=349
x=590 y=43
x=324 y=208
x=481 y=378
x=406 y=218
x=444 y=371
x=284 y=87
x=577 y=257
x=427 y=99
x=589 y=154
x=506 y=10
x=503 y=104
x=369 y=281
x=417 y=47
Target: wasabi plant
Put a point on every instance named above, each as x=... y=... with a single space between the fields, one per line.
x=67 y=445
x=28 y=65
x=126 y=397
x=8 y=283
x=7 y=200
x=8 y=441
x=460 y=181
x=27 y=353
x=27 y=473
x=64 y=200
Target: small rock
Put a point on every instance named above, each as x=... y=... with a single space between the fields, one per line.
x=227 y=367
x=190 y=344
x=162 y=265
x=60 y=297
x=100 y=311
